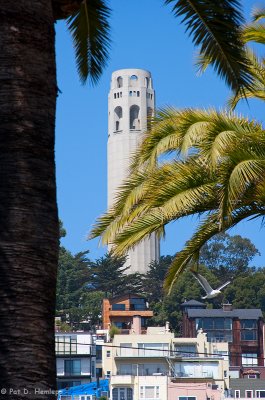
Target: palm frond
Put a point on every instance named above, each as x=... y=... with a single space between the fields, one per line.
x=254 y=32
x=90 y=31
x=257 y=88
x=258 y=13
x=202 y=62
x=214 y=28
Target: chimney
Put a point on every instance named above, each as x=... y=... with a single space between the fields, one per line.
x=227 y=307
x=136 y=325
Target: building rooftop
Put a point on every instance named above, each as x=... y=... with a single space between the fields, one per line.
x=236 y=313
x=193 y=303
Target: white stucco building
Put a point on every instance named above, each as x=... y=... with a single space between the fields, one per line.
x=131 y=101
x=75 y=359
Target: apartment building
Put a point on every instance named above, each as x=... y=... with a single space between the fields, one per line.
x=242 y=329
x=75 y=359
x=120 y=310
x=155 y=365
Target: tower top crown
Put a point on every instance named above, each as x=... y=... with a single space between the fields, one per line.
x=131 y=77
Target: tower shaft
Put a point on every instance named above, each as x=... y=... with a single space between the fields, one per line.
x=131 y=101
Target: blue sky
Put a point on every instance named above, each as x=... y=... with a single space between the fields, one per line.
x=144 y=35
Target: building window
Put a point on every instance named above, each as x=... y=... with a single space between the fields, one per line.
x=119 y=82
x=153 y=349
x=260 y=394
x=134 y=117
x=72 y=367
x=134 y=78
x=138 y=94
x=108 y=374
x=108 y=353
x=65 y=345
x=217 y=329
x=116 y=307
x=149 y=392
x=248 y=329
x=146 y=82
x=122 y=394
x=252 y=376
x=249 y=359
x=137 y=304
x=249 y=394
x=117 y=118
x=98 y=352
x=186 y=350
x=187 y=398
x=237 y=394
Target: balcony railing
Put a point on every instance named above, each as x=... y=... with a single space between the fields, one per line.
x=128 y=352
x=132 y=307
x=142 y=373
x=206 y=374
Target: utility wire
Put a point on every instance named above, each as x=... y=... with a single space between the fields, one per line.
x=175 y=352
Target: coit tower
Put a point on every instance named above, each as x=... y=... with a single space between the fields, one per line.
x=131 y=101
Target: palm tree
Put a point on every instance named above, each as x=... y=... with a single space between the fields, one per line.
x=217 y=171
x=28 y=210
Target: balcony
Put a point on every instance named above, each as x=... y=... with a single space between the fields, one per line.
x=121 y=379
x=139 y=353
x=129 y=311
x=195 y=375
x=142 y=373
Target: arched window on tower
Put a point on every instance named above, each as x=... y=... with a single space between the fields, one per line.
x=119 y=82
x=133 y=80
x=146 y=82
x=118 y=119
x=135 y=117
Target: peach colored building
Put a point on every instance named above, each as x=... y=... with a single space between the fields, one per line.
x=193 y=391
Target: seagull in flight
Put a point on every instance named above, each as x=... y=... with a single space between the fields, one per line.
x=210 y=292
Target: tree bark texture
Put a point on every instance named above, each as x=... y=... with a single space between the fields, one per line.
x=28 y=209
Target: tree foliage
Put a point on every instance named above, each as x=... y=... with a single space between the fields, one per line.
x=227 y=255
x=82 y=284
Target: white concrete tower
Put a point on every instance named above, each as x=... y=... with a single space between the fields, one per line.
x=131 y=100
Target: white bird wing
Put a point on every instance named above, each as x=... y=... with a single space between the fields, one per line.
x=224 y=285
x=203 y=282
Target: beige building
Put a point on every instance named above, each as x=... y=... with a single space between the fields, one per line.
x=153 y=365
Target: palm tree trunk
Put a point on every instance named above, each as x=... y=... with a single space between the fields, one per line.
x=28 y=210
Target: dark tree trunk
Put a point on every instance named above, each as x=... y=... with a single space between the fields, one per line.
x=28 y=210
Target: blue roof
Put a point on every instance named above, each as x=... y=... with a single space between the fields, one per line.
x=87 y=388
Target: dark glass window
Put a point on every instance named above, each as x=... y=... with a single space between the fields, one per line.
x=218 y=329
x=98 y=352
x=120 y=307
x=72 y=367
x=248 y=324
x=248 y=329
